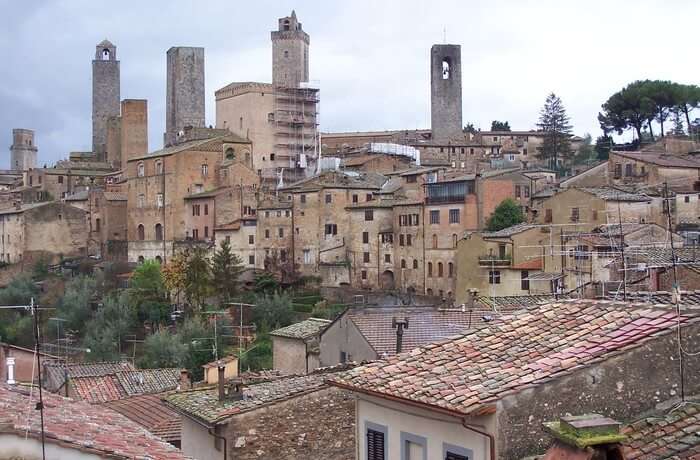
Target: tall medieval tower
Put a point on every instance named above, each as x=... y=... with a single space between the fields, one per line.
x=290 y=53
x=105 y=94
x=23 y=151
x=184 y=101
x=445 y=92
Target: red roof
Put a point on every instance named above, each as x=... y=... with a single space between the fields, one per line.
x=80 y=426
x=532 y=264
x=152 y=413
x=98 y=389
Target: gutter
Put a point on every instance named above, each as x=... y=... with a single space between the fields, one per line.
x=453 y=413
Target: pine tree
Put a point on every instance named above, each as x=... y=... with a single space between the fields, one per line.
x=226 y=267
x=197 y=278
x=554 y=122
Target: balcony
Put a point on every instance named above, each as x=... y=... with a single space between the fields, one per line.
x=492 y=260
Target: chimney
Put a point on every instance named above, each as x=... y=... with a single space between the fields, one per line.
x=185 y=382
x=583 y=434
x=399 y=325
x=221 y=382
x=11 y=370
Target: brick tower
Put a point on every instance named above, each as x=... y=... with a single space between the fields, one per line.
x=185 y=91
x=23 y=151
x=105 y=94
x=290 y=53
x=445 y=92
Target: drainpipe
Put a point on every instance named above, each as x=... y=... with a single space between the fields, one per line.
x=492 y=441
x=220 y=438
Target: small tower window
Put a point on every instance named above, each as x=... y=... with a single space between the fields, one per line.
x=446 y=68
x=105 y=54
x=286 y=53
x=286 y=25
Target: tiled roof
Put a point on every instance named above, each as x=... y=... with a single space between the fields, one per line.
x=676 y=435
x=54 y=372
x=661 y=159
x=145 y=381
x=115 y=196
x=209 y=144
x=467 y=373
x=336 y=180
x=614 y=194
x=222 y=361
x=529 y=264
x=97 y=389
x=78 y=196
x=510 y=231
x=661 y=257
x=514 y=302
x=426 y=325
x=152 y=413
x=80 y=426
x=688 y=298
x=302 y=330
x=204 y=403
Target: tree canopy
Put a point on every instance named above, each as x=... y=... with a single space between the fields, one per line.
x=500 y=125
x=226 y=267
x=506 y=214
x=555 y=123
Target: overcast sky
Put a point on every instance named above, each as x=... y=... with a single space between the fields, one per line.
x=371 y=58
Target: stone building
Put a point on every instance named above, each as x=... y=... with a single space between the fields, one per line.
x=280 y=118
x=49 y=229
x=275 y=239
x=105 y=95
x=295 y=348
x=446 y=92
x=184 y=92
x=67 y=178
x=371 y=244
x=158 y=183
x=23 y=152
x=653 y=169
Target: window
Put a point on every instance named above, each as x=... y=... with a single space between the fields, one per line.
x=251 y=260
x=97 y=226
x=574 y=214
x=435 y=241
x=159 y=200
x=409 y=239
x=228 y=239
x=403 y=263
x=141 y=171
x=595 y=214
x=415 y=263
x=430 y=269
x=454 y=216
x=365 y=257
x=267 y=233
x=517 y=191
x=401 y=240
x=548 y=216
x=451 y=452
x=628 y=169
x=354 y=198
x=343 y=357
x=159 y=232
x=454 y=240
x=329 y=198
x=524 y=280
x=581 y=252
x=387 y=258
x=302 y=198
x=686 y=198
x=446 y=68
x=331 y=229
x=411 y=179
x=272 y=157
x=450 y=270
x=364 y=275
x=435 y=217
x=141 y=232
x=618 y=170
x=524 y=152
x=388 y=238
x=60 y=179
x=206 y=209
x=414 y=219
x=307 y=256
x=365 y=237
x=159 y=167
x=230 y=154
x=206 y=231
x=440 y=270
x=369 y=215
x=413 y=447
x=280 y=232
x=494 y=277
x=368 y=197
x=251 y=239
x=141 y=200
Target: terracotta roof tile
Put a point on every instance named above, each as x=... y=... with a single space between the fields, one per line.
x=302 y=330
x=152 y=413
x=675 y=435
x=81 y=426
x=97 y=389
x=484 y=364
x=145 y=381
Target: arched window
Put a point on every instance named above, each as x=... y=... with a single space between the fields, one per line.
x=141 y=259
x=439 y=269
x=430 y=269
x=450 y=270
x=429 y=291
x=435 y=241
x=403 y=263
x=159 y=259
x=141 y=170
x=105 y=54
x=415 y=263
x=141 y=232
x=454 y=240
x=446 y=68
x=159 y=232
x=159 y=167
x=230 y=154
x=449 y=294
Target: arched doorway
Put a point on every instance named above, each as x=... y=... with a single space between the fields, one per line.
x=386 y=280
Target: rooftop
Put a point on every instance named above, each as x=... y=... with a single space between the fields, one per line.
x=302 y=330
x=507 y=232
x=54 y=371
x=211 y=144
x=466 y=374
x=673 y=435
x=152 y=413
x=661 y=159
x=614 y=194
x=80 y=426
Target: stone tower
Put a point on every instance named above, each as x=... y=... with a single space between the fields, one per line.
x=105 y=95
x=446 y=92
x=290 y=53
x=23 y=151
x=133 y=130
x=185 y=91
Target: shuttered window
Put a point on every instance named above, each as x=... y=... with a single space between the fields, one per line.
x=452 y=456
x=375 y=445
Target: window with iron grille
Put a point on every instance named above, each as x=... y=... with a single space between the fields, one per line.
x=454 y=216
x=494 y=277
x=574 y=214
x=435 y=217
x=365 y=237
x=369 y=215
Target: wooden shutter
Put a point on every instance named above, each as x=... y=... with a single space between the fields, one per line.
x=451 y=456
x=375 y=445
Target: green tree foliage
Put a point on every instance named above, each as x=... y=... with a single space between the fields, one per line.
x=500 y=125
x=603 y=145
x=148 y=294
x=586 y=153
x=226 y=267
x=163 y=349
x=76 y=305
x=273 y=311
x=469 y=128
x=265 y=283
x=105 y=334
x=259 y=355
x=556 y=145
x=197 y=279
x=506 y=214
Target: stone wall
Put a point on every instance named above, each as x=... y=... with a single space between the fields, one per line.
x=621 y=387
x=446 y=93
x=185 y=91
x=105 y=97
x=315 y=426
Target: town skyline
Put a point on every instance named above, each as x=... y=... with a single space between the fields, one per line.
x=51 y=91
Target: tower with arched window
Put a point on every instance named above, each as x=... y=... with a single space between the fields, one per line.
x=446 y=92
x=105 y=94
x=290 y=53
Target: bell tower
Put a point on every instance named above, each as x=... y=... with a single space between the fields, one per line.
x=290 y=53
x=446 y=92
x=105 y=95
